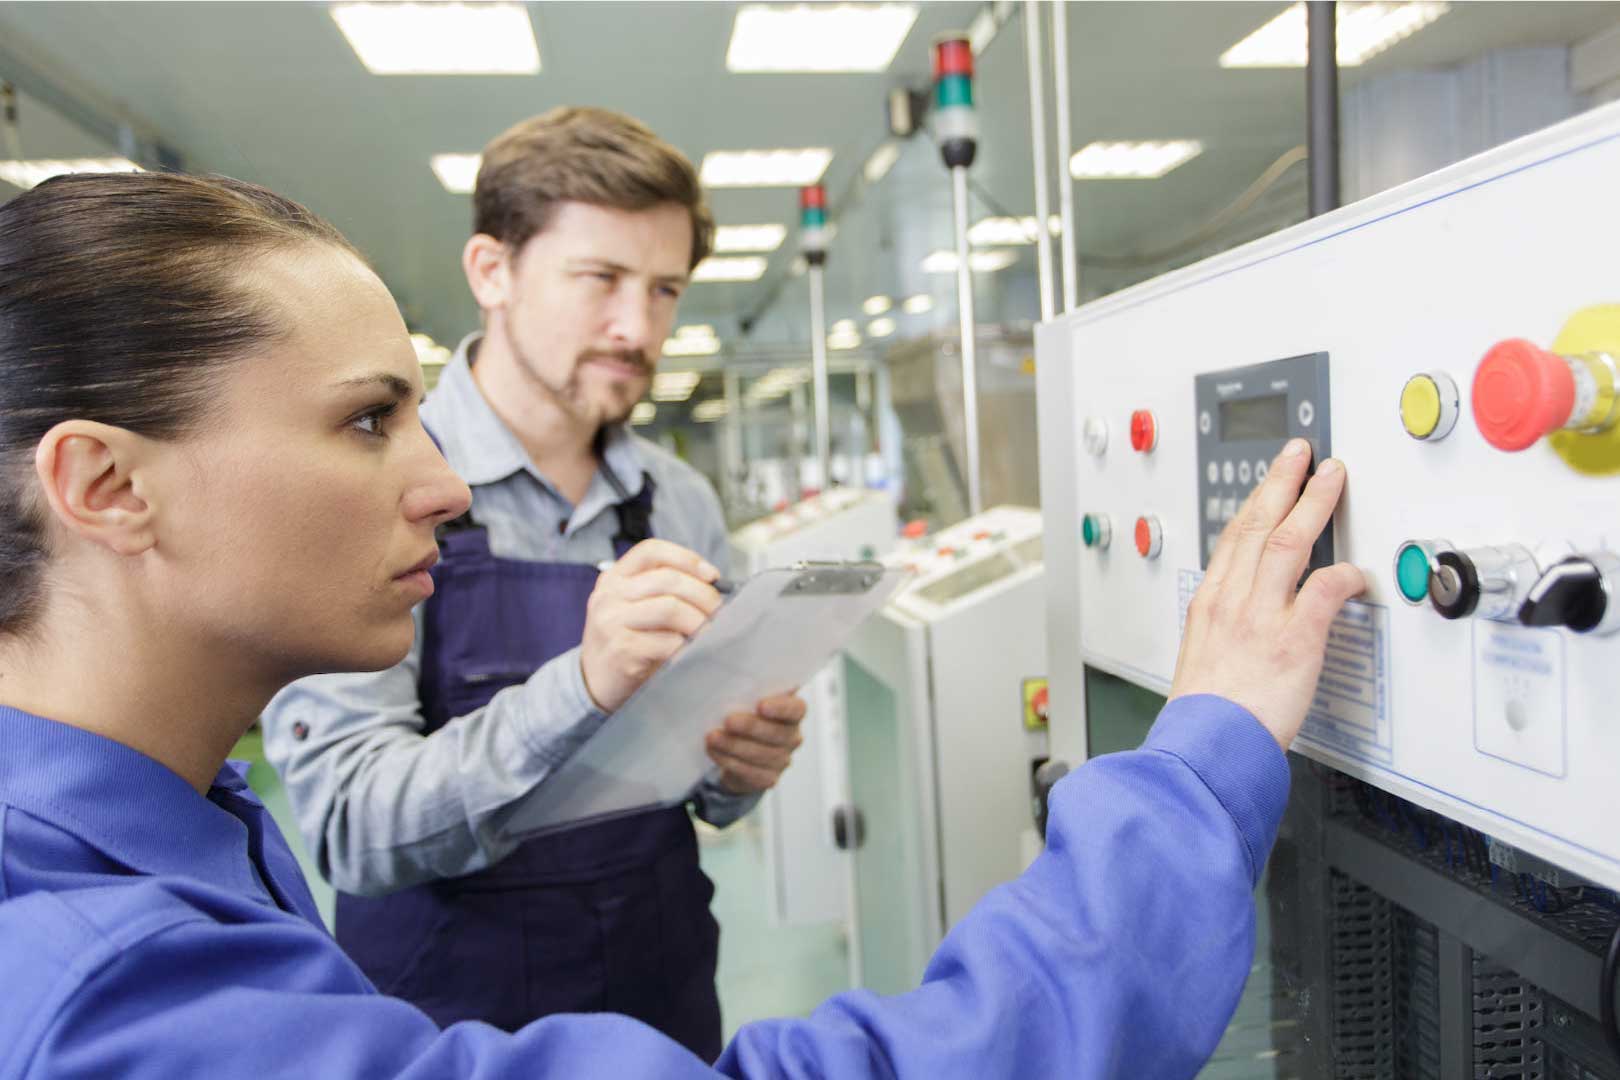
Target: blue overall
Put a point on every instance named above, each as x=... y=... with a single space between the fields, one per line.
x=608 y=917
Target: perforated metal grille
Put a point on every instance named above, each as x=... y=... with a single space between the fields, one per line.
x=1507 y=1014
x=1363 y=982
x=1417 y=997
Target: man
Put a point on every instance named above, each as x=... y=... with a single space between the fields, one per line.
x=406 y=783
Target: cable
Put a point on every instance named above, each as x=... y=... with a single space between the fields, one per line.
x=1611 y=961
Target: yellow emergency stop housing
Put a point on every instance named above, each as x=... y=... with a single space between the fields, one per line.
x=1591 y=330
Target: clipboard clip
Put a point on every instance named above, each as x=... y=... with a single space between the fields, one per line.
x=833 y=578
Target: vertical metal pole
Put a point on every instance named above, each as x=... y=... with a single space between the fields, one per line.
x=1322 y=104
x=731 y=439
x=818 y=360
x=970 y=369
x=1037 y=129
x=1065 y=150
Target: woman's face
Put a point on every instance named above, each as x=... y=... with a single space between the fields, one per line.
x=299 y=518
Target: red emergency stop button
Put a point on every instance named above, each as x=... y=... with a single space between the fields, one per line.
x=915 y=530
x=1521 y=393
x=1149 y=537
x=1144 y=431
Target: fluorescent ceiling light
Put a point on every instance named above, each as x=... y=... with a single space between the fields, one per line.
x=992 y=231
x=817 y=39
x=675 y=385
x=457 y=172
x=843 y=326
x=920 y=304
x=730 y=268
x=882 y=160
x=982 y=262
x=707 y=412
x=1364 y=31
x=691 y=346
x=643 y=413
x=695 y=330
x=842 y=342
x=749 y=237
x=880 y=327
x=27 y=173
x=799 y=265
x=765 y=168
x=1132 y=160
x=877 y=305
x=440 y=39
x=429 y=353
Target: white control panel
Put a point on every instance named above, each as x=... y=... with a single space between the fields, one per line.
x=1467 y=327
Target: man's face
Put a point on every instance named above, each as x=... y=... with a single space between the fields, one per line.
x=591 y=299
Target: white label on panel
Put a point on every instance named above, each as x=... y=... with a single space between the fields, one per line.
x=1350 y=713
x=1519 y=711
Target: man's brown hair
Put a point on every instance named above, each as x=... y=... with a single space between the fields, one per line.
x=586 y=155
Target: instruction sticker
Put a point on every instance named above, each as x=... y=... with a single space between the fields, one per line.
x=1350 y=713
x=1519 y=709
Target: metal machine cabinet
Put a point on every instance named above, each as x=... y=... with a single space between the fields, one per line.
x=807 y=875
x=946 y=715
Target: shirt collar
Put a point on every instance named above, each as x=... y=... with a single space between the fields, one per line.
x=483 y=450
x=128 y=806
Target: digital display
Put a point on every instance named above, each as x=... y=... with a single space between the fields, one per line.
x=1255 y=418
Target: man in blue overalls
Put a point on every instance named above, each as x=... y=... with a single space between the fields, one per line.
x=405 y=781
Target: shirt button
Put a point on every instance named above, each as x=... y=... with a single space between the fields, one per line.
x=300 y=731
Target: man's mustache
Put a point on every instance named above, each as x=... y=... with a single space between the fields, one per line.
x=634 y=358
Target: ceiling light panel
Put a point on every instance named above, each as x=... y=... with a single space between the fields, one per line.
x=1132 y=160
x=982 y=262
x=817 y=39
x=919 y=304
x=882 y=160
x=457 y=172
x=1363 y=31
x=765 y=168
x=440 y=38
x=749 y=237
x=993 y=231
x=26 y=173
x=691 y=346
x=643 y=413
x=877 y=305
x=675 y=385
x=707 y=412
x=880 y=328
x=730 y=268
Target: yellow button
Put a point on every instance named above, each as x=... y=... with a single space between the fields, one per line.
x=1420 y=406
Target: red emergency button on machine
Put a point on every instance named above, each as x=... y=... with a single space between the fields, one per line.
x=1144 y=431
x=1149 y=537
x=1521 y=393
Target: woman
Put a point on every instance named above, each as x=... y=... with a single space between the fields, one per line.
x=213 y=482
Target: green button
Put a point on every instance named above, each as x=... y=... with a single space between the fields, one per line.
x=1412 y=573
x=1088 y=530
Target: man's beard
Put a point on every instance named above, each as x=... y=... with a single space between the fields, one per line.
x=569 y=395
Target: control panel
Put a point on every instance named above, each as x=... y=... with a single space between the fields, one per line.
x=1459 y=339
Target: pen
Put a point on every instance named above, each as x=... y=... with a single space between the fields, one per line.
x=722 y=585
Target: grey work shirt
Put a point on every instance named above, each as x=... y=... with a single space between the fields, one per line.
x=383 y=806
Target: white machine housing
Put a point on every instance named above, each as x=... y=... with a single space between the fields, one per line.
x=1509 y=729
x=807 y=875
x=940 y=758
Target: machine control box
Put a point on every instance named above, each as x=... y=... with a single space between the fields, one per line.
x=1245 y=416
x=1460 y=336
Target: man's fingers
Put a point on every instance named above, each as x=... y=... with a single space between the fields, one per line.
x=1320 y=600
x=667 y=581
x=764 y=730
x=1264 y=510
x=663 y=613
x=786 y=707
x=651 y=554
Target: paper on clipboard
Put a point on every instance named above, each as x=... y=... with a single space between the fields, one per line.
x=770 y=636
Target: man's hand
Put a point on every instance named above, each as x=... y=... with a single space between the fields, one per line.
x=752 y=750
x=1250 y=637
x=642 y=609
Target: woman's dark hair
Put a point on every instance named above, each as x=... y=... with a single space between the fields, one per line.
x=123 y=296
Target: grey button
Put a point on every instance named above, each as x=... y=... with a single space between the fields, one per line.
x=1227 y=472
x=1213 y=472
x=1204 y=423
x=1243 y=472
x=1212 y=508
x=1307 y=413
x=1228 y=509
x=1260 y=471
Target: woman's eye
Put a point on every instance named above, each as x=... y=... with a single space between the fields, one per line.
x=373 y=421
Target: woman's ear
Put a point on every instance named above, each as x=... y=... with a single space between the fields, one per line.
x=92 y=478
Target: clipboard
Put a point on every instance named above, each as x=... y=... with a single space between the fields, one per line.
x=771 y=635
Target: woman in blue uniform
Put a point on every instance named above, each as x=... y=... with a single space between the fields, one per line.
x=213 y=481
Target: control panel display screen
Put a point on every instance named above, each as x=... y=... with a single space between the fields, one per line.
x=1255 y=418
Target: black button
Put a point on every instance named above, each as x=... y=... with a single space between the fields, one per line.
x=300 y=731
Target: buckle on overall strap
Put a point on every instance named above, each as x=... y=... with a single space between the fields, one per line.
x=635 y=516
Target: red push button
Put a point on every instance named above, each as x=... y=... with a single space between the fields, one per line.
x=1521 y=392
x=1144 y=431
x=915 y=530
x=1149 y=537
